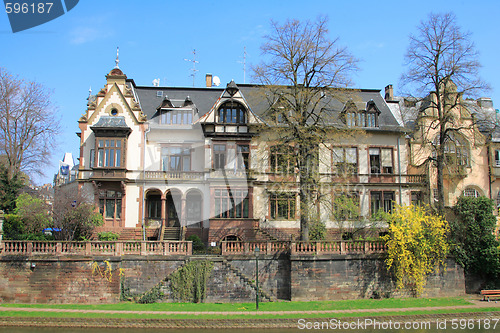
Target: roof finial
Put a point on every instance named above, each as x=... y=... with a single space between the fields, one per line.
x=117 y=61
x=90 y=91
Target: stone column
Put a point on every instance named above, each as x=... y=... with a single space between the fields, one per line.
x=183 y=219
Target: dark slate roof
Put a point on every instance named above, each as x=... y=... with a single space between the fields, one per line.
x=111 y=122
x=205 y=98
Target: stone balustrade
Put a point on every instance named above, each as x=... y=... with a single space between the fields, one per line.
x=95 y=248
x=305 y=248
x=119 y=248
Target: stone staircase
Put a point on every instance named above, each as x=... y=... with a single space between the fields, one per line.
x=273 y=235
x=246 y=280
x=162 y=289
x=171 y=233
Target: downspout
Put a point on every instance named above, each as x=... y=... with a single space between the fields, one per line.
x=399 y=174
x=144 y=185
x=489 y=170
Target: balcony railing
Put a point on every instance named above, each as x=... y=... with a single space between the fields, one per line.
x=180 y=175
x=416 y=179
x=93 y=248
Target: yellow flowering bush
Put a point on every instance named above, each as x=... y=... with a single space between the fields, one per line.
x=416 y=246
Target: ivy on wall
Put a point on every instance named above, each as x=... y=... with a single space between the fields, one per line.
x=189 y=283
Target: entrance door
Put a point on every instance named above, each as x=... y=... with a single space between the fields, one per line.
x=173 y=210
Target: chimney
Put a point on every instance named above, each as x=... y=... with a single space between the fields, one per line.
x=389 y=93
x=208 y=80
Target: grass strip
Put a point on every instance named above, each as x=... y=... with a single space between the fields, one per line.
x=39 y=314
x=268 y=306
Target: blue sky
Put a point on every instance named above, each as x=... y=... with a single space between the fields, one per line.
x=75 y=51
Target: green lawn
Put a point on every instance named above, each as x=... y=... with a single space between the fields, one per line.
x=242 y=316
x=268 y=306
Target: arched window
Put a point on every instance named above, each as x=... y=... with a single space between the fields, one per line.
x=456 y=150
x=231 y=238
x=232 y=113
x=471 y=192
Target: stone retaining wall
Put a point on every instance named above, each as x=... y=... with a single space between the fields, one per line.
x=45 y=279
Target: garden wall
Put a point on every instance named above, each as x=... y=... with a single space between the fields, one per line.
x=45 y=279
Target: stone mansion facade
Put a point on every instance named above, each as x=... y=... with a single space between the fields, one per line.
x=168 y=162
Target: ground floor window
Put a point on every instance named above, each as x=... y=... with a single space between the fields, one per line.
x=381 y=201
x=193 y=207
x=346 y=206
x=282 y=205
x=231 y=203
x=154 y=206
x=417 y=198
x=110 y=204
x=471 y=193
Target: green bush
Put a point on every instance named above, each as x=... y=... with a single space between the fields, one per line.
x=317 y=231
x=198 y=245
x=472 y=234
x=13 y=228
x=108 y=236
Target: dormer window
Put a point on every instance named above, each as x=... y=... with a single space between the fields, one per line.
x=369 y=117
x=232 y=113
x=361 y=115
x=176 y=117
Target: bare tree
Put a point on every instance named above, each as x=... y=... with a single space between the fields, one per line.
x=303 y=71
x=28 y=125
x=74 y=214
x=442 y=64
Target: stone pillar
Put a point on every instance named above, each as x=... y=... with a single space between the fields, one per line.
x=183 y=219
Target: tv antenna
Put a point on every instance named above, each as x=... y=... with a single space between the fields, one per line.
x=117 y=61
x=194 y=70
x=244 y=62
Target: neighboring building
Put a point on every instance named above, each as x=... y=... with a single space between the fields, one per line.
x=166 y=162
x=67 y=172
x=472 y=148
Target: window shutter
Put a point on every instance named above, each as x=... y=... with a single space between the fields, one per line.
x=386 y=157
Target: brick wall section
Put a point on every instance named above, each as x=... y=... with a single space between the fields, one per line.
x=363 y=276
x=143 y=273
x=225 y=286
x=56 y=281
x=274 y=273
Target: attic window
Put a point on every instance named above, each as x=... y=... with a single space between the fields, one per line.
x=114 y=112
x=232 y=113
x=159 y=94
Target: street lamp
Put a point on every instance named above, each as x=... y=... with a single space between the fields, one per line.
x=257 y=251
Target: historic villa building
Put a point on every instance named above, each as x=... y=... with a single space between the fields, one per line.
x=167 y=162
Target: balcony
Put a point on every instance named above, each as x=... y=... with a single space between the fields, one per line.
x=495 y=171
x=174 y=175
x=108 y=174
x=416 y=179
